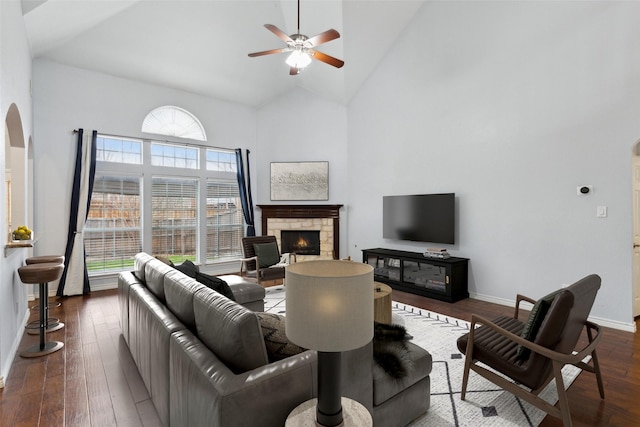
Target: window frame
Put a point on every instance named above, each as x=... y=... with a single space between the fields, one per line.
x=146 y=171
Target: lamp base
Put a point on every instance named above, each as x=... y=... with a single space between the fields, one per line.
x=354 y=414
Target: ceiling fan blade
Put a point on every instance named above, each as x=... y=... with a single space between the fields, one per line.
x=321 y=38
x=269 y=52
x=327 y=59
x=278 y=32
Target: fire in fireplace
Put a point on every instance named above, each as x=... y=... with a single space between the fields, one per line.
x=300 y=242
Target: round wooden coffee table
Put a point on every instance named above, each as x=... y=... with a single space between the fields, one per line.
x=381 y=303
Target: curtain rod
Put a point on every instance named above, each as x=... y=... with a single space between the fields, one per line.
x=163 y=140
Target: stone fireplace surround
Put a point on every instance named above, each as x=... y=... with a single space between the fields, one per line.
x=325 y=218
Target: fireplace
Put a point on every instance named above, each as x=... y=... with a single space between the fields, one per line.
x=325 y=218
x=300 y=242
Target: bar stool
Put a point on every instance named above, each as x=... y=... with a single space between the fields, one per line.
x=52 y=323
x=41 y=274
x=58 y=259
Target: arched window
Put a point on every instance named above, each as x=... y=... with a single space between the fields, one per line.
x=174 y=121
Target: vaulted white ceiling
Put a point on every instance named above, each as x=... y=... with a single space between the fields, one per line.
x=201 y=46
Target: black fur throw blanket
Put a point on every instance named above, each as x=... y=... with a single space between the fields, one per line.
x=390 y=350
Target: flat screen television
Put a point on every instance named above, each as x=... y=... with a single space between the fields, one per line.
x=419 y=218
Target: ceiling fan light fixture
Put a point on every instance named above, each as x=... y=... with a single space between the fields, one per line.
x=302 y=48
x=298 y=59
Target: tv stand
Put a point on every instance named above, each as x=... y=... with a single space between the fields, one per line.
x=442 y=279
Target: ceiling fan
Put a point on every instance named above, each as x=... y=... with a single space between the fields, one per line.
x=302 y=48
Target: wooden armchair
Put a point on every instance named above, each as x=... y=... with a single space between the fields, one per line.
x=261 y=253
x=537 y=358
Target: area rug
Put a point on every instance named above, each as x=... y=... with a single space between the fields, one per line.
x=486 y=403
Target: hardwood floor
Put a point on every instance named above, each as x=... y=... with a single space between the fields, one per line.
x=92 y=381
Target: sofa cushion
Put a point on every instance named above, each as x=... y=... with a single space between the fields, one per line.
x=244 y=290
x=267 y=254
x=154 y=272
x=178 y=291
x=216 y=284
x=275 y=339
x=229 y=330
x=139 y=264
x=386 y=387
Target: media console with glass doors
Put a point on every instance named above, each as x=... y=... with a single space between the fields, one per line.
x=443 y=279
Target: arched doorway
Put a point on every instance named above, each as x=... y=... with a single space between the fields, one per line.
x=13 y=295
x=15 y=171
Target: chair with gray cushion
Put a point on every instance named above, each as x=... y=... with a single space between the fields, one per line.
x=261 y=253
x=532 y=353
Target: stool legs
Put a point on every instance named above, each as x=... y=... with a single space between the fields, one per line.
x=52 y=324
x=43 y=347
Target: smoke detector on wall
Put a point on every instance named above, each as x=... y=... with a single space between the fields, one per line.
x=584 y=190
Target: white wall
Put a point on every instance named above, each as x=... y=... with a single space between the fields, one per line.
x=15 y=77
x=67 y=98
x=511 y=105
x=300 y=126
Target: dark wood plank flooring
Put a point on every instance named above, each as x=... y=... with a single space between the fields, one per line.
x=92 y=381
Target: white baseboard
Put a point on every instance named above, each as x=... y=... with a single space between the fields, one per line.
x=607 y=323
x=14 y=347
x=104 y=287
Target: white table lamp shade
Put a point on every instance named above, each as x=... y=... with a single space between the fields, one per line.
x=329 y=305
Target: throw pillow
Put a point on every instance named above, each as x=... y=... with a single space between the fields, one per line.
x=275 y=338
x=536 y=317
x=165 y=259
x=216 y=284
x=188 y=268
x=267 y=254
x=390 y=350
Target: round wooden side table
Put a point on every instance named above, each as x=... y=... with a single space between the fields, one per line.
x=381 y=303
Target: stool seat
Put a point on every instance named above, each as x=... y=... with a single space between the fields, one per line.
x=34 y=274
x=58 y=259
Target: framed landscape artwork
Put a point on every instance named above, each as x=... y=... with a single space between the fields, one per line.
x=300 y=181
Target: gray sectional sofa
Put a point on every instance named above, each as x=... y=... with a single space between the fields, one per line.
x=203 y=358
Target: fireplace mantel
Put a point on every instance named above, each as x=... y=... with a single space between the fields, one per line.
x=305 y=211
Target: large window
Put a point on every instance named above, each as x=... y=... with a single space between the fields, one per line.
x=113 y=229
x=174 y=206
x=180 y=201
x=225 y=223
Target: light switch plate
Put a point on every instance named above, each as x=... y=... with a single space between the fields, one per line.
x=601 y=212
